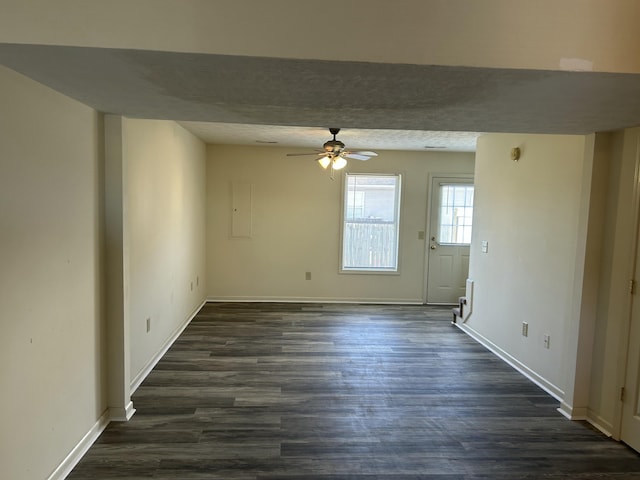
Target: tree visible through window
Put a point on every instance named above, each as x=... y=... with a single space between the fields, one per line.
x=371 y=220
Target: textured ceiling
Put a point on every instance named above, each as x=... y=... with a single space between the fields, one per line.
x=231 y=99
x=314 y=137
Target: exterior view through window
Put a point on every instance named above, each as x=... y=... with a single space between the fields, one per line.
x=370 y=223
x=456 y=214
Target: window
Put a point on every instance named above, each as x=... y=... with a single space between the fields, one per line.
x=370 y=223
x=456 y=214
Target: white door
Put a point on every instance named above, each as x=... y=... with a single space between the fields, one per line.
x=630 y=432
x=450 y=221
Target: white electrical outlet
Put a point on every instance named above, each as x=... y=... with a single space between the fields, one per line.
x=307 y=275
x=547 y=341
x=525 y=329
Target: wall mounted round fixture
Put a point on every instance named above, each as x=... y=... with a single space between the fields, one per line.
x=515 y=154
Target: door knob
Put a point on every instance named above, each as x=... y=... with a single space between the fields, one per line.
x=433 y=247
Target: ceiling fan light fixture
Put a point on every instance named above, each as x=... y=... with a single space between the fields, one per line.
x=339 y=163
x=324 y=161
x=335 y=154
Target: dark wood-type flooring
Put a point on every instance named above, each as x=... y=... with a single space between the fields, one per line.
x=326 y=392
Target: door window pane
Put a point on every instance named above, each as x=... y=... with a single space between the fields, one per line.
x=456 y=214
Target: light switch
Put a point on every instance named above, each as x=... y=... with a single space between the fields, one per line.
x=485 y=246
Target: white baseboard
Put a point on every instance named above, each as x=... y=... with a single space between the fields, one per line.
x=378 y=301
x=146 y=370
x=121 y=414
x=114 y=414
x=543 y=383
x=588 y=415
x=568 y=411
x=572 y=413
x=600 y=423
x=80 y=449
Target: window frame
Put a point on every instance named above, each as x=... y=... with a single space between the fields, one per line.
x=343 y=220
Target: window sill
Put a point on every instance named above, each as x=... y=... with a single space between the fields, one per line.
x=371 y=271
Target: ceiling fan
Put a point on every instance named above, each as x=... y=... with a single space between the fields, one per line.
x=334 y=153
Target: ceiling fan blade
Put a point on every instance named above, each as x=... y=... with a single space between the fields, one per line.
x=356 y=156
x=334 y=153
x=365 y=152
x=310 y=153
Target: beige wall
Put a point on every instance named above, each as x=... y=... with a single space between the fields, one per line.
x=53 y=327
x=579 y=329
x=165 y=225
x=560 y=225
x=528 y=211
x=616 y=268
x=487 y=33
x=296 y=226
x=51 y=321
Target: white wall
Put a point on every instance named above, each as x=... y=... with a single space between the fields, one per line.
x=51 y=321
x=528 y=211
x=165 y=234
x=545 y=34
x=296 y=226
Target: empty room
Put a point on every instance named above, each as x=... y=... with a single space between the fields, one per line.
x=233 y=234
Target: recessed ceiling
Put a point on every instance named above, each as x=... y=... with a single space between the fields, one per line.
x=248 y=100
x=314 y=137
